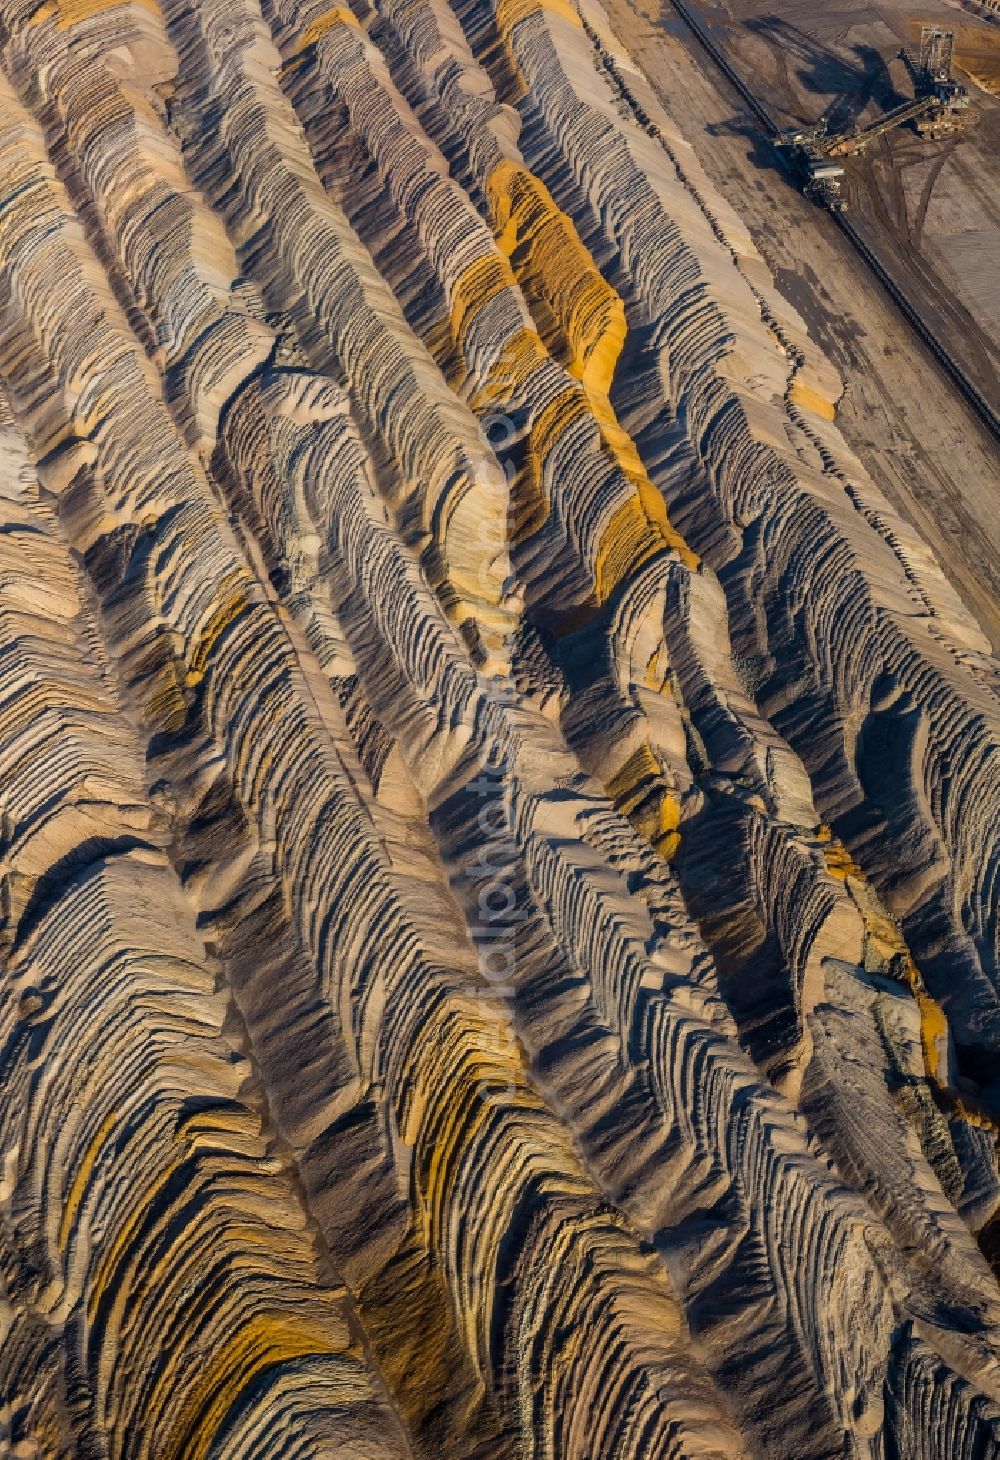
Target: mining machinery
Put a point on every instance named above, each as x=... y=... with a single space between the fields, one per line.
x=937 y=108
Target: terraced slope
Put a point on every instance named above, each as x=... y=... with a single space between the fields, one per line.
x=500 y=820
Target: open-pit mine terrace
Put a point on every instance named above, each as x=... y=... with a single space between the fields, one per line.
x=500 y=816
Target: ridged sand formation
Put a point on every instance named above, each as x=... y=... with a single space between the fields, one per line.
x=501 y=820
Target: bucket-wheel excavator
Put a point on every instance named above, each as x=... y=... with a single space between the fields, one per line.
x=938 y=107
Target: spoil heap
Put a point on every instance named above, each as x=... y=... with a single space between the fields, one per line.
x=501 y=821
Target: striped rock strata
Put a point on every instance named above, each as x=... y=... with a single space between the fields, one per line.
x=500 y=819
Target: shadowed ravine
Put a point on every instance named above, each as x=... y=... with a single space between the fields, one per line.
x=500 y=819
